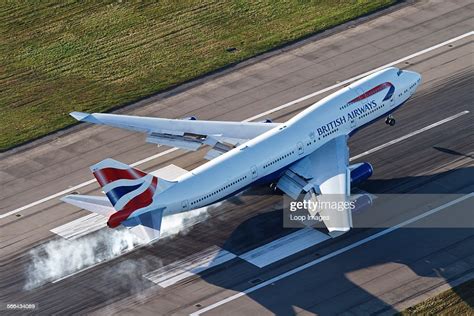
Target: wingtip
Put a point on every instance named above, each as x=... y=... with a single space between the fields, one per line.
x=80 y=116
x=86 y=117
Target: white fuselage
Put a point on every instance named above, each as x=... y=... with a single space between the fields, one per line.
x=372 y=97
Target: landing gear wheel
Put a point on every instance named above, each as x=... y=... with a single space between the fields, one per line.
x=275 y=189
x=390 y=121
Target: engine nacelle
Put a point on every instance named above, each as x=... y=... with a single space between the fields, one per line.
x=360 y=172
x=361 y=202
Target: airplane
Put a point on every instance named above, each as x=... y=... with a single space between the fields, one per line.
x=308 y=154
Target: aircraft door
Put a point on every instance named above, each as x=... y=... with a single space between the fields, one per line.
x=353 y=123
x=254 y=172
x=184 y=205
x=392 y=101
x=359 y=93
x=300 y=148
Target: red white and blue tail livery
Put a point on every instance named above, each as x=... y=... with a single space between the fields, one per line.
x=129 y=190
x=131 y=193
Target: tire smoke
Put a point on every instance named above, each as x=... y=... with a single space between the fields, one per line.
x=59 y=258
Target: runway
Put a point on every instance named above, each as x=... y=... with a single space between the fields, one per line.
x=379 y=276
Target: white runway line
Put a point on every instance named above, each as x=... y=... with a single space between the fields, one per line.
x=421 y=130
x=424 y=51
x=190 y=266
x=332 y=254
x=71 y=189
x=164 y=153
x=284 y=247
x=81 y=226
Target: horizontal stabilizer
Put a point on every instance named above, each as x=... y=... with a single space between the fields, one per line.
x=146 y=226
x=95 y=204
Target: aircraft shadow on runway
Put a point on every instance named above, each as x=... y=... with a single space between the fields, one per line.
x=327 y=288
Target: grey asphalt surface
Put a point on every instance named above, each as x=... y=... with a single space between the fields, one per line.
x=377 y=277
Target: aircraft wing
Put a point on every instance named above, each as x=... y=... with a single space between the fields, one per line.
x=324 y=176
x=187 y=134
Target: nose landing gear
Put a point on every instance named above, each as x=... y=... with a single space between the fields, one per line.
x=390 y=120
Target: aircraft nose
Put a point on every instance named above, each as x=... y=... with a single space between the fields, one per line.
x=413 y=77
x=417 y=78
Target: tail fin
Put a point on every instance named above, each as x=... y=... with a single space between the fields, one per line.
x=129 y=190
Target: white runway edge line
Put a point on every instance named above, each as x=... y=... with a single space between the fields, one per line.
x=332 y=254
x=424 y=51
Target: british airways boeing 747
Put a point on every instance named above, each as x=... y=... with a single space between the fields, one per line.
x=308 y=155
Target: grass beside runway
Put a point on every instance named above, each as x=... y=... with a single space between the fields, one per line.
x=456 y=301
x=56 y=57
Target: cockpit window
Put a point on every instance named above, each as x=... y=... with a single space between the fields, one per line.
x=399 y=72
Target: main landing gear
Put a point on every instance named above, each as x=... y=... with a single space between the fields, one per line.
x=390 y=120
x=275 y=189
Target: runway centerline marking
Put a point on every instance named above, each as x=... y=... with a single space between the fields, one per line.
x=332 y=254
x=286 y=105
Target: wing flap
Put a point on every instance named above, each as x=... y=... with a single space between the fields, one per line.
x=292 y=184
x=174 y=141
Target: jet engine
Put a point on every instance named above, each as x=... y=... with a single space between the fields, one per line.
x=360 y=172
x=361 y=202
